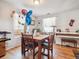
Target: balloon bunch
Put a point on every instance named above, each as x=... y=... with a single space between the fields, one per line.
x=28 y=16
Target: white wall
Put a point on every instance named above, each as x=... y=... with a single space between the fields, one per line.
x=6 y=22
x=63 y=20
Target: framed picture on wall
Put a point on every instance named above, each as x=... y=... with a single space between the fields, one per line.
x=33 y=22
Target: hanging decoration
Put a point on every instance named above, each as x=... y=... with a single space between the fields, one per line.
x=29 y=13
x=20 y=23
x=24 y=17
x=17 y=11
x=12 y=13
x=28 y=17
x=24 y=11
x=28 y=20
x=71 y=22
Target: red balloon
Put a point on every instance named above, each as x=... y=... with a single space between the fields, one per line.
x=24 y=11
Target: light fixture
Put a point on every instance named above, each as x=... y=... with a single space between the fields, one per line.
x=37 y=2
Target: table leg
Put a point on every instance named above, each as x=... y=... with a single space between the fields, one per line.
x=39 y=50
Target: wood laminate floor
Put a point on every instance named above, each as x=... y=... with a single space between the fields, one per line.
x=59 y=52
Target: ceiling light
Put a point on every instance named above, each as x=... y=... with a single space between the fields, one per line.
x=36 y=2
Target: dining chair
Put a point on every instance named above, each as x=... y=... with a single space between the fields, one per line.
x=48 y=44
x=28 y=44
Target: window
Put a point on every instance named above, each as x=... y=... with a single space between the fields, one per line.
x=48 y=24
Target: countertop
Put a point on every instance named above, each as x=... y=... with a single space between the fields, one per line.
x=68 y=33
x=4 y=39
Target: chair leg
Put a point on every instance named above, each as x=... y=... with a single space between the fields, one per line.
x=51 y=51
x=48 y=53
x=33 y=53
x=75 y=45
x=23 y=52
x=43 y=50
x=61 y=42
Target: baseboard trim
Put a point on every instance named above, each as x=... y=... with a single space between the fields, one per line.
x=13 y=48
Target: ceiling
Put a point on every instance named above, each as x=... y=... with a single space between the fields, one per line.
x=46 y=6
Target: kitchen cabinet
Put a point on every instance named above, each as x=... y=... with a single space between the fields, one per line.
x=2 y=49
x=2 y=46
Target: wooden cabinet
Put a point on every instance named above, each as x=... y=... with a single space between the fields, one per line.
x=2 y=49
x=3 y=39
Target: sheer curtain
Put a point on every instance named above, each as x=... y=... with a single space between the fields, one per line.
x=48 y=24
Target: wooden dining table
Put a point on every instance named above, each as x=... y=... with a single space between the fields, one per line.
x=39 y=39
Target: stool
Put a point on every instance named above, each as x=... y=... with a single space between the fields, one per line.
x=70 y=40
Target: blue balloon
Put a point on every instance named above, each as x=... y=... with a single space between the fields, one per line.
x=29 y=13
x=28 y=20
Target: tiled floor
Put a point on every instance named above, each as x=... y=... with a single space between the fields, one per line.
x=60 y=52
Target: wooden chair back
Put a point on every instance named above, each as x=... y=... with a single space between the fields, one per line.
x=27 y=38
x=26 y=42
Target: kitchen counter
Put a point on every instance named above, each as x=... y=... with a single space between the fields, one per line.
x=67 y=33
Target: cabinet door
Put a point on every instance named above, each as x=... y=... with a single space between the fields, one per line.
x=2 y=49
